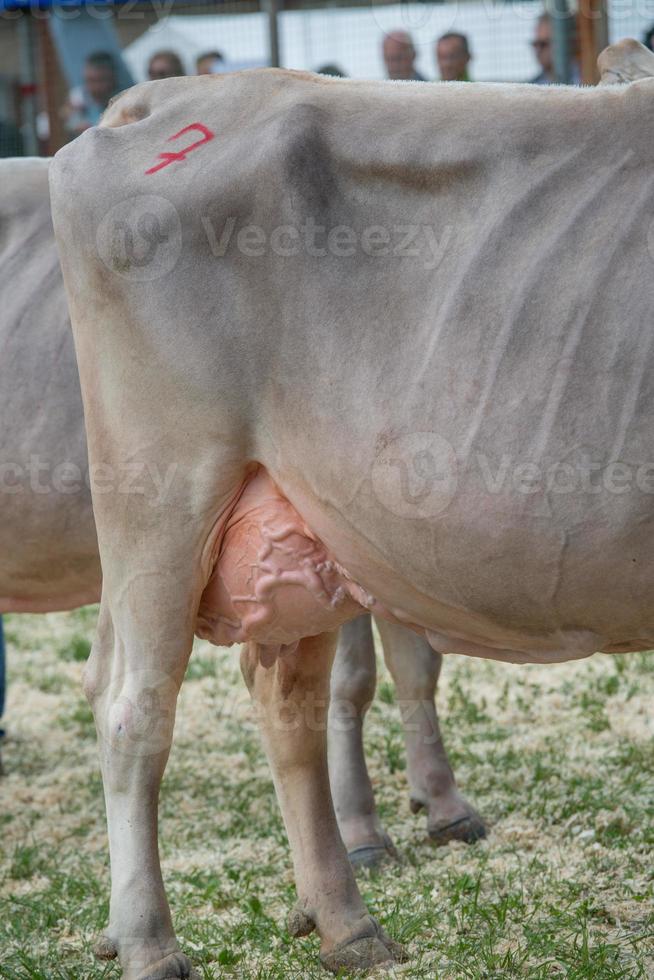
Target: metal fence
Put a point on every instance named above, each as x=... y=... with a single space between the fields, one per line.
x=45 y=45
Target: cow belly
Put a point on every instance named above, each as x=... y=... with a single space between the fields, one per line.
x=273 y=581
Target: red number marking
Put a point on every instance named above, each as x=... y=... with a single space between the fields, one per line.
x=167 y=158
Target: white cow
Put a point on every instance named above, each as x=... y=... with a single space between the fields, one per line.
x=386 y=346
x=48 y=548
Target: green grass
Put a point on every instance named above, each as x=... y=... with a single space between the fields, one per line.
x=559 y=760
x=77 y=648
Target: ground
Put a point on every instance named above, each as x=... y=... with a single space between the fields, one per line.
x=560 y=761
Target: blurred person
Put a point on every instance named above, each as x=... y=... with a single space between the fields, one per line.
x=542 y=46
x=543 y=49
x=648 y=37
x=165 y=64
x=205 y=64
x=399 y=56
x=332 y=70
x=453 y=57
x=87 y=102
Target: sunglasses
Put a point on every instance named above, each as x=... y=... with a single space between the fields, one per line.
x=540 y=44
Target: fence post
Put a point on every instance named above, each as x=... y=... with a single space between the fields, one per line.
x=28 y=82
x=562 y=38
x=593 y=37
x=272 y=8
x=49 y=76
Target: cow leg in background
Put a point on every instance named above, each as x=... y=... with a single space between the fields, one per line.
x=292 y=698
x=353 y=684
x=415 y=668
x=132 y=680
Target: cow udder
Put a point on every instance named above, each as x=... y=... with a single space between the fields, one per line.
x=273 y=581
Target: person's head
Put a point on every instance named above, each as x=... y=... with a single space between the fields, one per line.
x=453 y=57
x=399 y=55
x=542 y=43
x=335 y=71
x=165 y=64
x=204 y=63
x=648 y=37
x=100 y=79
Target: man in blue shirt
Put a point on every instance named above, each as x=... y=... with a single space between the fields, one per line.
x=87 y=102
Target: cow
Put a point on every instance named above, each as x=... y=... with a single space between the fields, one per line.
x=416 y=381
x=49 y=546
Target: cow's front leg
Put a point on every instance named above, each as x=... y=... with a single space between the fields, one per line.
x=352 y=689
x=415 y=668
x=132 y=680
x=292 y=699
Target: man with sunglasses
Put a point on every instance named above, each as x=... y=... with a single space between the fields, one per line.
x=542 y=46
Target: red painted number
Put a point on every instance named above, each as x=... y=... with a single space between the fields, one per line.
x=166 y=158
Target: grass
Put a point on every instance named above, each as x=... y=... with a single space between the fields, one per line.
x=560 y=761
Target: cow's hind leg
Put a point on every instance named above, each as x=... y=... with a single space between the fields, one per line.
x=132 y=680
x=292 y=697
x=352 y=690
x=415 y=669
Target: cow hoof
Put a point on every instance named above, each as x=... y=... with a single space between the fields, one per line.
x=363 y=954
x=173 y=967
x=469 y=828
x=105 y=948
x=373 y=855
x=299 y=923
